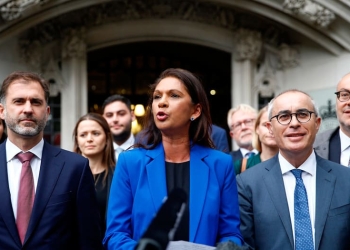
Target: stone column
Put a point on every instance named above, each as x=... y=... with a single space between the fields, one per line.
x=74 y=93
x=247 y=50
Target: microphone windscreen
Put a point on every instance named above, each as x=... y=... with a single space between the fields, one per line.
x=229 y=245
x=166 y=217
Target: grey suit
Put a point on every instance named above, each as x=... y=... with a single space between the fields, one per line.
x=322 y=141
x=265 y=220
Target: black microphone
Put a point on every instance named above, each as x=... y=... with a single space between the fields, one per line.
x=229 y=245
x=163 y=227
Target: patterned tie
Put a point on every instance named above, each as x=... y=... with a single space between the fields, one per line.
x=25 y=195
x=249 y=154
x=302 y=222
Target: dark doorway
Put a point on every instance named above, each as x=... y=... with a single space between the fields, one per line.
x=129 y=69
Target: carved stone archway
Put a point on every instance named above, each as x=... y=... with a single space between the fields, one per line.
x=63 y=31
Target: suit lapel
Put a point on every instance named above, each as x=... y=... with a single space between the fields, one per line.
x=156 y=175
x=199 y=180
x=334 y=147
x=275 y=186
x=325 y=183
x=6 y=211
x=50 y=170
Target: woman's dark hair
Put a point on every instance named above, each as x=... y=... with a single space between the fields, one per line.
x=108 y=154
x=200 y=128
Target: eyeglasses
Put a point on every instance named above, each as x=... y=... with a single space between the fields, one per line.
x=343 y=95
x=247 y=122
x=302 y=117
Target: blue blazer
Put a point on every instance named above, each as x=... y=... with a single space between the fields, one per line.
x=139 y=187
x=265 y=220
x=64 y=215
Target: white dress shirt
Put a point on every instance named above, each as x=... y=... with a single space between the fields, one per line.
x=344 y=148
x=309 y=179
x=14 y=167
x=120 y=148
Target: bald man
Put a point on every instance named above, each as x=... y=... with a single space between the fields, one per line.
x=334 y=144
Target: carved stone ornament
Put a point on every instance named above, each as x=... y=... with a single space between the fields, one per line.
x=295 y=5
x=73 y=44
x=31 y=52
x=311 y=10
x=347 y=2
x=288 y=56
x=248 y=45
x=64 y=29
x=266 y=83
x=13 y=9
x=53 y=75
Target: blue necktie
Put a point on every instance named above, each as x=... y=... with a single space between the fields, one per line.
x=302 y=222
x=249 y=154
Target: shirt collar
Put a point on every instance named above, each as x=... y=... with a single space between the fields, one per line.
x=344 y=140
x=309 y=166
x=12 y=150
x=245 y=151
x=128 y=143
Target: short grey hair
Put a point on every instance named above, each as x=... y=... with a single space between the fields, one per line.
x=243 y=107
x=270 y=105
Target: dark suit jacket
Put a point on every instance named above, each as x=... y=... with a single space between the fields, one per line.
x=64 y=215
x=236 y=155
x=219 y=137
x=265 y=220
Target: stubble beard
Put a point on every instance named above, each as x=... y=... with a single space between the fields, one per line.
x=122 y=136
x=14 y=126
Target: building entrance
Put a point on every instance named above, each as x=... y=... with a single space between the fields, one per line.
x=129 y=69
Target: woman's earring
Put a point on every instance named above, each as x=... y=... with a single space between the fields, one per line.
x=192 y=119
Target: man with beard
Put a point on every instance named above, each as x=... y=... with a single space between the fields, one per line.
x=116 y=109
x=334 y=144
x=48 y=194
x=241 y=121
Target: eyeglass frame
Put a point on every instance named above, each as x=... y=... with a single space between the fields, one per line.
x=239 y=126
x=338 y=95
x=295 y=114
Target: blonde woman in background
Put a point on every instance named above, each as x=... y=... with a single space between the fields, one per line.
x=93 y=140
x=262 y=141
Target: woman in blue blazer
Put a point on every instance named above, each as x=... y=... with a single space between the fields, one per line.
x=179 y=154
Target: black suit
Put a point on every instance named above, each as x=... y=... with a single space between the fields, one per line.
x=236 y=155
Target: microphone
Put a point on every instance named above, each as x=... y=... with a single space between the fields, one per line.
x=163 y=227
x=229 y=245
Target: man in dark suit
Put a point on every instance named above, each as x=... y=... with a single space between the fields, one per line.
x=334 y=144
x=241 y=121
x=62 y=211
x=296 y=200
x=219 y=137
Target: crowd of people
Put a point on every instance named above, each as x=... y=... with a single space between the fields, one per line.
x=286 y=187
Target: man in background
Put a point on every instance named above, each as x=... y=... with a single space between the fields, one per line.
x=334 y=144
x=241 y=121
x=116 y=109
x=295 y=200
x=219 y=137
